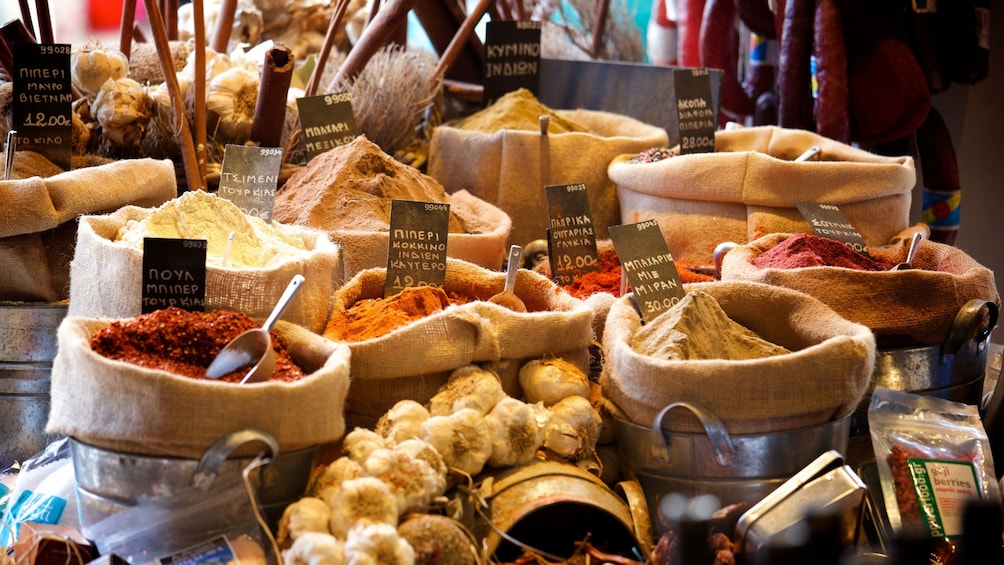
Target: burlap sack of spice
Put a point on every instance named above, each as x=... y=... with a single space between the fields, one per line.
x=749 y=185
x=823 y=377
x=100 y=262
x=124 y=407
x=414 y=360
x=510 y=167
x=910 y=308
x=38 y=208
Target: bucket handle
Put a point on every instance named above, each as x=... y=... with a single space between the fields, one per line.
x=721 y=441
x=213 y=458
x=962 y=325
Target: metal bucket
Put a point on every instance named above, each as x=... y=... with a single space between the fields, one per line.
x=548 y=506
x=110 y=481
x=733 y=468
x=28 y=345
x=954 y=370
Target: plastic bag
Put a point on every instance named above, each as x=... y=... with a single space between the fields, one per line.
x=933 y=456
x=43 y=493
x=226 y=525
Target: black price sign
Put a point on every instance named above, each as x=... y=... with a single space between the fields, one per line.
x=512 y=58
x=326 y=121
x=416 y=254
x=248 y=178
x=828 y=221
x=655 y=282
x=43 y=100
x=174 y=274
x=695 y=110
x=571 y=242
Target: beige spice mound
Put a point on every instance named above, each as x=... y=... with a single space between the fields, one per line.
x=518 y=110
x=351 y=188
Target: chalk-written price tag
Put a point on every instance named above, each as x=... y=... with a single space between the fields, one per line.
x=326 y=122
x=416 y=254
x=43 y=97
x=645 y=258
x=695 y=110
x=512 y=58
x=571 y=241
x=828 y=221
x=174 y=274
x=248 y=177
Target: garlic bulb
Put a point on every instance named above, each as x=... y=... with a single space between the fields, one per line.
x=572 y=429
x=93 y=64
x=413 y=481
x=550 y=380
x=517 y=431
x=315 y=548
x=123 y=109
x=366 y=499
x=231 y=97
x=360 y=442
x=420 y=449
x=377 y=544
x=216 y=64
x=468 y=387
x=307 y=514
x=334 y=474
x=461 y=438
x=403 y=421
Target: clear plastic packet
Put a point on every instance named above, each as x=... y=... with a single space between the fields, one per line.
x=933 y=456
x=43 y=492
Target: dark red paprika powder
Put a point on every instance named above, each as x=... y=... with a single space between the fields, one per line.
x=184 y=342
x=809 y=250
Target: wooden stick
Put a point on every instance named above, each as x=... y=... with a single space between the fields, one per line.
x=171 y=19
x=461 y=37
x=127 y=26
x=12 y=32
x=393 y=14
x=329 y=42
x=224 y=26
x=188 y=157
x=137 y=34
x=198 y=14
x=599 y=26
x=44 y=21
x=26 y=16
x=270 y=108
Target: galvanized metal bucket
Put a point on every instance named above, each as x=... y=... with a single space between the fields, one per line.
x=954 y=370
x=28 y=345
x=733 y=468
x=110 y=481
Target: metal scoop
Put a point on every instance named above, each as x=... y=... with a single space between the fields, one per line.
x=253 y=347
x=911 y=252
x=507 y=297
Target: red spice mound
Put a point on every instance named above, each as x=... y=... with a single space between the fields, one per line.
x=608 y=278
x=808 y=250
x=184 y=342
x=374 y=317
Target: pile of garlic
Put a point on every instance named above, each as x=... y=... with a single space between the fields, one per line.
x=471 y=423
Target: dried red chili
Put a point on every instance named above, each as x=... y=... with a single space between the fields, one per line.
x=184 y=342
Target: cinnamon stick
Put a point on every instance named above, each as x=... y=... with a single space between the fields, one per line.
x=127 y=26
x=326 y=47
x=26 y=16
x=198 y=14
x=44 y=21
x=599 y=26
x=12 y=32
x=392 y=14
x=171 y=19
x=461 y=37
x=192 y=177
x=224 y=26
x=270 y=108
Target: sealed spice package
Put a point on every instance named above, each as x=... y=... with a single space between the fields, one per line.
x=933 y=457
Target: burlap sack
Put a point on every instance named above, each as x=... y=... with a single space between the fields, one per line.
x=125 y=407
x=507 y=167
x=36 y=219
x=414 y=360
x=100 y=263
x=823 y=378
x=909 y=308
x=748 y=187
x=487 y=226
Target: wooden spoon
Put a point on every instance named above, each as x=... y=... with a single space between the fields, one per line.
x=507 y=297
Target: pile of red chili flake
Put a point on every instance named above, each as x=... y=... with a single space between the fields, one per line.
x=184 y=342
